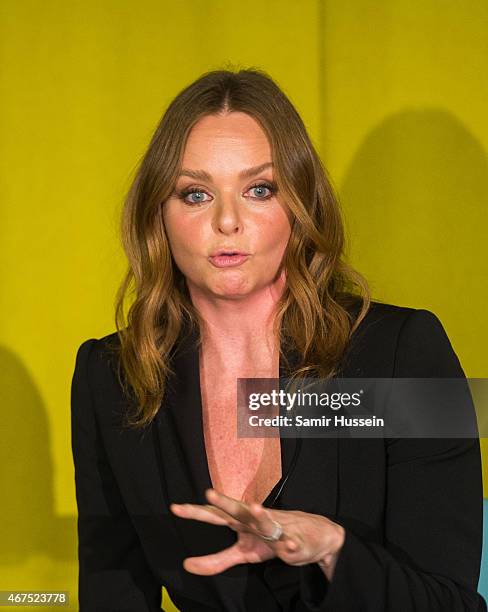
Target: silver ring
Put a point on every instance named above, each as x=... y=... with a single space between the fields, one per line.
x=276 y=535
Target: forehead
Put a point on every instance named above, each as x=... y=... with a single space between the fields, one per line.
x=235 y=136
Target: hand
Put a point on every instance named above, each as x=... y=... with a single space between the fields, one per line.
x=306 y=537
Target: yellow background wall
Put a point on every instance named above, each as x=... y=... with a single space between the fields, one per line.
x=394 y=96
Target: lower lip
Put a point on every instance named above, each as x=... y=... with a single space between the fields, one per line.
x=227 y=261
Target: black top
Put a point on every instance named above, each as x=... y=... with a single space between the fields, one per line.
x=411 y=508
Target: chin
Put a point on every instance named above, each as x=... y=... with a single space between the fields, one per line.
x=231 y=292
x=230 y=283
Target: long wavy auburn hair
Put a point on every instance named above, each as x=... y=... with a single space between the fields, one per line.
x=324 y=299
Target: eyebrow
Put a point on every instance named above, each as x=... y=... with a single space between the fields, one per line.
x=202 y=175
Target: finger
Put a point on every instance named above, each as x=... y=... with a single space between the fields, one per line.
x=264 y=522
x=200 y=513
x=215 y=517
x=233 y=507
x=288 y=546
x=215 y=563
x=291 y=544
x=265 y=525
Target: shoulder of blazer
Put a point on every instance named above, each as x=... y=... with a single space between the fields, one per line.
x=102 y=374
x=381 y=323
x=104 y=353
x=386 y=334
x=401 y=341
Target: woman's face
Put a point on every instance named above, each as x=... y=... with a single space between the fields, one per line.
x=225 y=199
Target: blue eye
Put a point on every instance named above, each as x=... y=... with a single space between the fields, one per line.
x=192 y=191
x=259 y=190
x=260 y=187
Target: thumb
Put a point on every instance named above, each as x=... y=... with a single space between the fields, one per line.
x=215 y=563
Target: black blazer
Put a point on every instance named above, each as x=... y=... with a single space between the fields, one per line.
x=411 y=508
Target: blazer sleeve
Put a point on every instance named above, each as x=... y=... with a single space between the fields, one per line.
x=113 y=572
x=430 y=558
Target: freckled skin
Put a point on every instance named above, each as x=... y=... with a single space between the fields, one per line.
x=231 y=214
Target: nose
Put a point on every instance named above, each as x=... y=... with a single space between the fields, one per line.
x=227 y=216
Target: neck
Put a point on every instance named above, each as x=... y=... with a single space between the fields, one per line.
x=242 y=324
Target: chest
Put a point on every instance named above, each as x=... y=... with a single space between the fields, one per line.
x=243 y=468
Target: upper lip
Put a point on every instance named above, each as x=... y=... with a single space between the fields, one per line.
x=228 y=252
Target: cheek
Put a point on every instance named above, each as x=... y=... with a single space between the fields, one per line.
x=183 y=234
x=274 y=235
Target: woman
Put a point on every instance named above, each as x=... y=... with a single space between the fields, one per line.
x=235 y=246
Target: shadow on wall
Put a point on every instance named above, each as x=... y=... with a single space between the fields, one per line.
x=415 y=199
x=28 y=523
